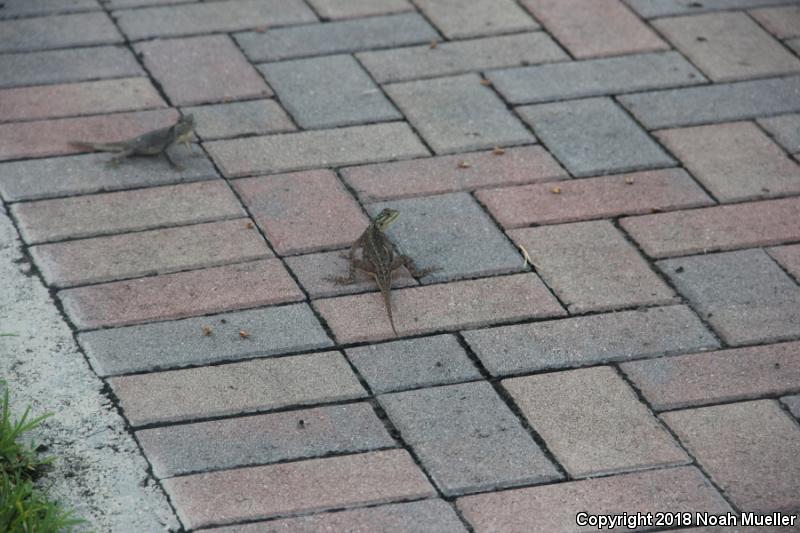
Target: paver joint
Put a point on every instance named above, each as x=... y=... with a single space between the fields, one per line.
x=602 y=203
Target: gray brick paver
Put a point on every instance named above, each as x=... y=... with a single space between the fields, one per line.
x=253 y=117
x=467 y=438
x=58 y=31
x=328 y=91
x=660 y=8
x=457 y=19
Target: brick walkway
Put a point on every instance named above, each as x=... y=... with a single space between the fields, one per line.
x=644 y=153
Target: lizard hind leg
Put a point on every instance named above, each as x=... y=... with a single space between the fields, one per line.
x=118 y=157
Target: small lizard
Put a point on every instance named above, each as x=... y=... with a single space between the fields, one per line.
x=379 y=258
x=151 y=143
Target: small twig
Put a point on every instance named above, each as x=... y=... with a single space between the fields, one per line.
x=527 y=258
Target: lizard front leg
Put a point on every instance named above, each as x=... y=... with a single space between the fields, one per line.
x=352 y=263
x=404 y=260
x=172 y=162
x=119 y=156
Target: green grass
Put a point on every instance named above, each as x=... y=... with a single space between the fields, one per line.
x=23 y=507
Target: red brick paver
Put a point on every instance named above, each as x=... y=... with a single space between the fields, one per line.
x=303 y=212
x=457 y=305
x=316 y=485
x=716 y=228
x=182 y=294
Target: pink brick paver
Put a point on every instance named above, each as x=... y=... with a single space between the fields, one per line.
x=750 y=449
x=593 y=423
x=553 y=508
x=591 y=267
x=303 y=212
x=595 y=29
x=258 y=385
x=735 y=161
x=182 y=294
x=716 y=228
x=202 y=69
x=315 y=485
x=451 y=173
x=85 y=98
x=783 y=21
x=52 y=137
x=725 y=375
x=585 y=199
x=118 y=212
x=450 y=306
x=161 y=251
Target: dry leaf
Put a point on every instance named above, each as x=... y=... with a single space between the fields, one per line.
x=260 y=29
x=526 y=258
x=243 y=334
x=207 y=331
x=486 y=82
x=434 y=44
x=463 y=164
x=556 y=190
x=498 y=151
x=249 y=225
x=629 y=180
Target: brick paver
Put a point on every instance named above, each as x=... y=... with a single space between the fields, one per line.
x=714 y=103
x=788 y=257
x=467 y=438
x=643 y=336
x=744 y=295
x=461 y=240
x=553 y=508
x=69 y=65
x=117 y=212
x=735 y=161
x=451 y=173
x=303 y=150
x=182 y=294
x=594 y=29
x=716 y=228
x=337 y=9
x=413 y=363
x=605 y=196
x=58 y=31
x=589 y=340
x=782 y=22
x=591 y=267
x=458 y=57
x=316 y=273
x=86 y=98
x=258 y=385
x=336 y=37
x=235 y=442
x=328 y=91
x=146 y=253
x=726 y=375
x=435 y=108
x=785 y=130
x=42 y=138
x=271 y=331
x=593 y=423
x=82 y=174
x=594 y=136
x=594 y=77
x=479 y=17
x=223 y=16
x=303 y=212
x=425 y=516
x=439 y=307
x=316 y=485
x=749 y=449
x=728 y=46
x=201 y=69
x=257 y=117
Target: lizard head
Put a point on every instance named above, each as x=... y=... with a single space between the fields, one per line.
x=385 y=218
x=184 y=125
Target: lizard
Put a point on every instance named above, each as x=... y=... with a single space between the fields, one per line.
x=379 y=258
x=151 y=143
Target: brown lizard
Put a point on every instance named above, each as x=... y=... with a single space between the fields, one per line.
x=151 y=143
x=379 y=258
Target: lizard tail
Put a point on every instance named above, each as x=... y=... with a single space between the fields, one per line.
x=103 y=147
x=387 y=301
